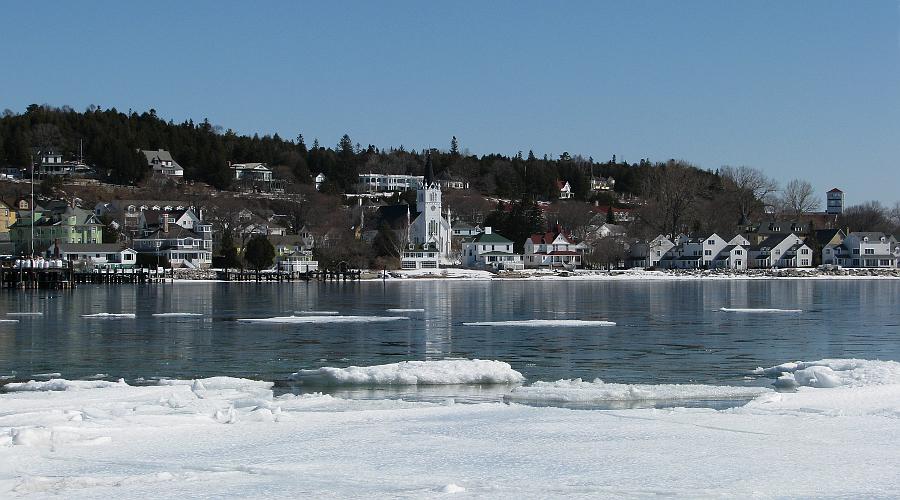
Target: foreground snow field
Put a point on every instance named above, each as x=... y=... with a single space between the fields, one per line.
x=225 y=437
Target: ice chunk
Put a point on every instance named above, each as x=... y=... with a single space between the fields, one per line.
x=580 y=391
x=452 y=488
x=25 y=314
x=323 y=319
x=317 y=313
x=109 y=316
x=59 y=384
x=443 y=372
x=829 y=373
x=177 y=315
x=759 y=310
x=536 y=323
x=397 y=310
x=9 y=321
x=219 y=383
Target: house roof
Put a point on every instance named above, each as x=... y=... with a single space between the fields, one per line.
x=835 y=190
x=547 y=238
x=496 y=252
x=287 y=239
x=175 y=232
x=824 y=236
x=489 y=238
x=869 y=234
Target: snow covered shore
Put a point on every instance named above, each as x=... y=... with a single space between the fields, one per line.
x=640 y=274
x=225 y=437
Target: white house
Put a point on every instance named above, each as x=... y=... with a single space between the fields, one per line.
x=686 y=254
x=602 y=183
x=565 y=190
x=182 y=247
x=161 y=162
x=382 y=183
x=657 y=249
x=490 y=250
x=101 y=255
x=865 y=249
x=552 y=249
x=320 y=179
x=420 y=257
x=293 y=253
x=731 y=257
x=781 y=251
x=461 y=229
x=251 y=172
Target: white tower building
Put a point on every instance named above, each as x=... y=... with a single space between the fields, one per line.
x=431 y=228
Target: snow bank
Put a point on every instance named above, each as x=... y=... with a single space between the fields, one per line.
x=579 y=391
x=59 y=384
x=830 y=373
x=109 y=316
x=219 y=383
x=536 y=323
x=758 y=310
x=177 y=315
x=323 y=319
x=443 y=372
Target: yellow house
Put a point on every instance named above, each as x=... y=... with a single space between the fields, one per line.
x=7 y=217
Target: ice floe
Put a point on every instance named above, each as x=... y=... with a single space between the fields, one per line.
x=830 y=373
x=59 y=384
x=438 y=372
x=109 y=316
x=316 y=313
x=9 y=321
x=580 y=391
x=25 y=314
x=758 y=310
x=400 y=310
x=177 y=315
x=224 y=437
x=323 y=319
x=536 y=323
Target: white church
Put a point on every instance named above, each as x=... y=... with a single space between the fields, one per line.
x=428 y=245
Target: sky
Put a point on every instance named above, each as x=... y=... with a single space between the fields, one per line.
x=800 y=89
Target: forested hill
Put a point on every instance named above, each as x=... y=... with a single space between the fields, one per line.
x=110 y=140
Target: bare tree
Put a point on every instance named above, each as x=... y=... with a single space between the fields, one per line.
x=868 y=216
x=750 y=188
x=672 y=191
x=798 y=197
x=608 y=252
x=574 y=216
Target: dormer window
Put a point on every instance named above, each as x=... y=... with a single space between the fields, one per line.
x=865 y=239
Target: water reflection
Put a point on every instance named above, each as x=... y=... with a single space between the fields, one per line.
x=668 y=331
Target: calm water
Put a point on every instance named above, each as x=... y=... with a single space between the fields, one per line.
x=667 y=331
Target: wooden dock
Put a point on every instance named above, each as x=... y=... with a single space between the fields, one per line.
x=324 y=275
x=67 y=277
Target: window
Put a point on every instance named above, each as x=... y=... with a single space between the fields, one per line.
x=884 y=262
x=870 y=251
x=707 y=252
x=739 y=252
x=804 y=251
x=710 y=242
x=855 y=251
x=804 y=262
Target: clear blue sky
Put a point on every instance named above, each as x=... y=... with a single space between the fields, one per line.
x=807 y=89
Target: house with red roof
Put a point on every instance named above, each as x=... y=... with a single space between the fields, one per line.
x=551 y=250
x=565 y=190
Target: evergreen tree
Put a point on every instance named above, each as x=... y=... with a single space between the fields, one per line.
x=259 y=253
x=454 y=147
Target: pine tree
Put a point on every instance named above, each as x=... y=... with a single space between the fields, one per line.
x=454 y=147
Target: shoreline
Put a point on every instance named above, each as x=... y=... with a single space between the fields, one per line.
x=456 y=274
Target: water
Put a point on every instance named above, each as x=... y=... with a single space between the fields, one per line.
x=666 y=331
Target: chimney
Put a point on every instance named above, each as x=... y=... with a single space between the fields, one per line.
x=487 y=230
x=165 y=218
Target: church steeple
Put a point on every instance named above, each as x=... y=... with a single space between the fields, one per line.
x=429 y=170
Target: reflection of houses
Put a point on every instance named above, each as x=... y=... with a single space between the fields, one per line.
x=490 y=250
x=255 y=177
x=182 y=247
x=161 y=162
x=108 y=255
x=552 y=249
